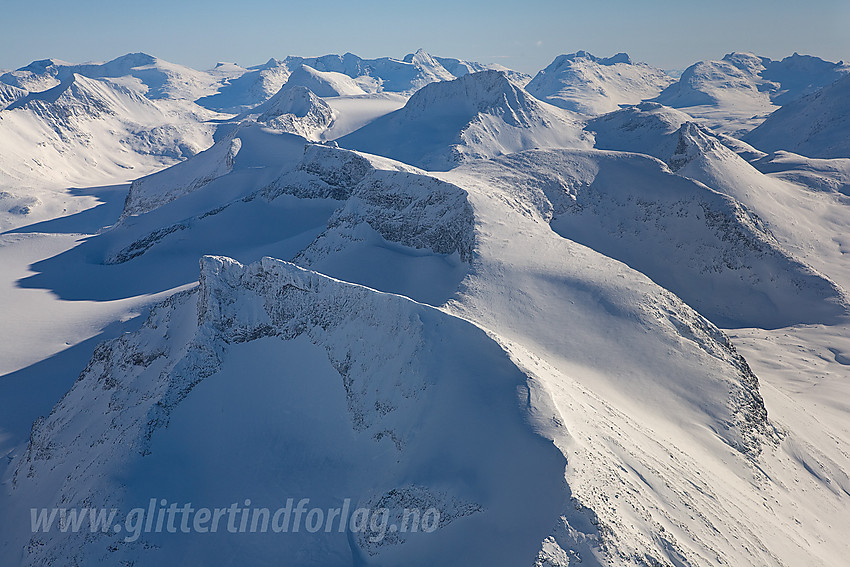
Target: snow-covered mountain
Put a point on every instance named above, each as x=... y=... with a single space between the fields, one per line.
x=143 y=73
x=239 y=313
x=381 y=75
x=262 y=148
x=479 y=115
x=700 y=244
x=9 y=94
x=460 y=67
x=84 y=129
x=736 y=94
x=591 y=85
x=816 y=125
x=523 y=338
x=385 y=73
x=646 y=128
x=323 y=83
x=247 y=90
x=775 y=187
x=653 y=129
x=294 y=109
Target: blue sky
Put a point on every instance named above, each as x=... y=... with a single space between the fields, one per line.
x=521 y=34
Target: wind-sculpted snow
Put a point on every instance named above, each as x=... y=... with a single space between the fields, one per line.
x=479 y=115
x=359 y=426
x=590 y=85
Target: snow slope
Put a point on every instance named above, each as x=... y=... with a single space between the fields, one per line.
x=476 y=116
x=272 y=313
x=653 y=129
x=296 y=200
x=798 y=200
x=817 y=125
x=353 y=112
x=591 y=85
x=646 y=128
x=736 y=94
x=831 y=176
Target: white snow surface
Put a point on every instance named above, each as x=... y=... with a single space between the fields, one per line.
x=146 y=74
x=479 y=115
x=382 y=75
x=84 y=131
x=815 y=125
x=583 y=83
x=737 y=93
x=323 y=83
x=294 y=109
x=529 y=341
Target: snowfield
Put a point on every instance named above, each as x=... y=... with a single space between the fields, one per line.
x=574 y=315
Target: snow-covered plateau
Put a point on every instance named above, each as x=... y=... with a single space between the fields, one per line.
x=597 y=316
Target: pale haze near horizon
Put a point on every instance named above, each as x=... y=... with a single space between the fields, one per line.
x=525 y=36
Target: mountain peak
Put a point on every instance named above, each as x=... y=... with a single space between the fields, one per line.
x=323 y=83
x=586 y=55
x=748 y=87
x=419 y=55
x=478 y=115
x=583 y=83
x=815 y=125
x=137 y=59
x=294 y=109
x=477 y=92
x=42 y=65
x=746 y=61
